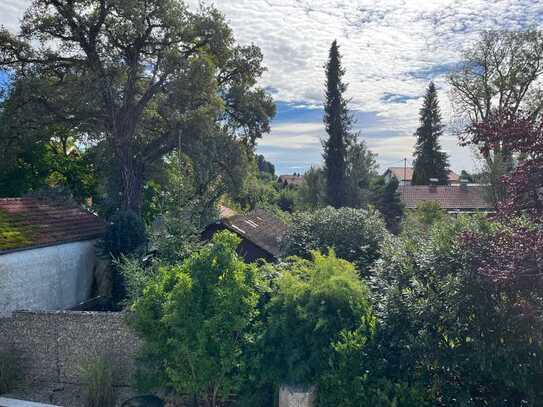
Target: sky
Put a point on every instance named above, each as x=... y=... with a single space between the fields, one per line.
x=391 y=50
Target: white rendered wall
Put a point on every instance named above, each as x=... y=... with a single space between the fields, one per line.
x=48 y=278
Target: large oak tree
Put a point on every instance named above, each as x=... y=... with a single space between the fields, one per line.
x=141 y=77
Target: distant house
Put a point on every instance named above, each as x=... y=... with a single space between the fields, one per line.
x=47 y=254
x=405 y=175
x=452 y=198
x=291 y=180
x=261 y=233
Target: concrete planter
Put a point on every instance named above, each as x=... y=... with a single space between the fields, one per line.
x=297 y=396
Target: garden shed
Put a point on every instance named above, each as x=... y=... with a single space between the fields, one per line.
x=261 y=233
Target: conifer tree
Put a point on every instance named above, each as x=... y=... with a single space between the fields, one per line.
x=430 y=161
x=338 y=125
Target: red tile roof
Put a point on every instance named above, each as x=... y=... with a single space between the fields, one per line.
x=453 y=176
x=291 y=179
x=406 y=174
x=28 y=222
x=403 y=174
x=449 y=197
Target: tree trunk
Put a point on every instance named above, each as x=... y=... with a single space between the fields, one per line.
x=132 y=184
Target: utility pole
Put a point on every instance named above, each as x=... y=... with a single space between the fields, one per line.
x=404 y=172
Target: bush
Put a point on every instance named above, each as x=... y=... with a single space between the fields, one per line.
x=356 y=378
x=423 y=217
x=287 y=199
x=317 y=303
x=196 y=321
x=98 y=379
x=125 y=234
x=448 y=323
x=354 y=234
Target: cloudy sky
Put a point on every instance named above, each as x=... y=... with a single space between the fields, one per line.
x=391 y=50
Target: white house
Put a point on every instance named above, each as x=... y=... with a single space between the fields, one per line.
x=47 y=254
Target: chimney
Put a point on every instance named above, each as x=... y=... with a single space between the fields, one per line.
x=464 y=184
x=433 y=184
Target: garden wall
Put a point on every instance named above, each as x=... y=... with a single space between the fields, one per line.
x=53 y=346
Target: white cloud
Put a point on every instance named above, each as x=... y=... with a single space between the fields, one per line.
x=388 y=47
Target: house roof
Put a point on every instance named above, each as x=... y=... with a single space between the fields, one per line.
x=402 y=173
x=406 y=174
x=226 y=212
x=449 y=197
x=260 y=228
x=291 y=179
x=26 y=223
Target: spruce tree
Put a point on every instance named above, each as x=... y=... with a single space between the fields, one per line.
x=430 y=161
x=338 y=125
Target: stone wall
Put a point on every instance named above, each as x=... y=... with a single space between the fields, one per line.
x=47 y=278
x=54 y=346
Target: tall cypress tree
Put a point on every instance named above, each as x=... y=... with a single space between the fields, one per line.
x=430 y=161
x=338 y=125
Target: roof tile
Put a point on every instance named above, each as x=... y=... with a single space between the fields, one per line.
x=470 y=197
x=29 y=222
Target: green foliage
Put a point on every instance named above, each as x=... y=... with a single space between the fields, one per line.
x=34 y=160
x=386 y=199
x=98 y=379
x=430 y=162
x=136 y=276
x=423 y=217
x=355 y=378
x=354 y=234
x=312 y=192
x=196 y=320
x=338 y=126
x=259 y=193
x=8 y=370
x=124 y=235
x=361 y=168
x=288 y=198
x=265 y=168
x=318 y=303
x=451 y=328
x=202 y=96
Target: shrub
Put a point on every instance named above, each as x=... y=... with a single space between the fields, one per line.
x=354 y=234
x=448 y=324
x=98 y=379
x=196 y=321
x=125 y=234
x=356 y=378
x=287 y=199
x=317 y=303
x=423 y=217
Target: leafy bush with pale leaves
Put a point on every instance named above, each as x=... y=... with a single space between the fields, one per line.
x=354 y=234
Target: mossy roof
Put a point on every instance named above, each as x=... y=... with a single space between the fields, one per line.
x=28 y=222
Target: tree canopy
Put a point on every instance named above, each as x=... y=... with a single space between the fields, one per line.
x=140 y=77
